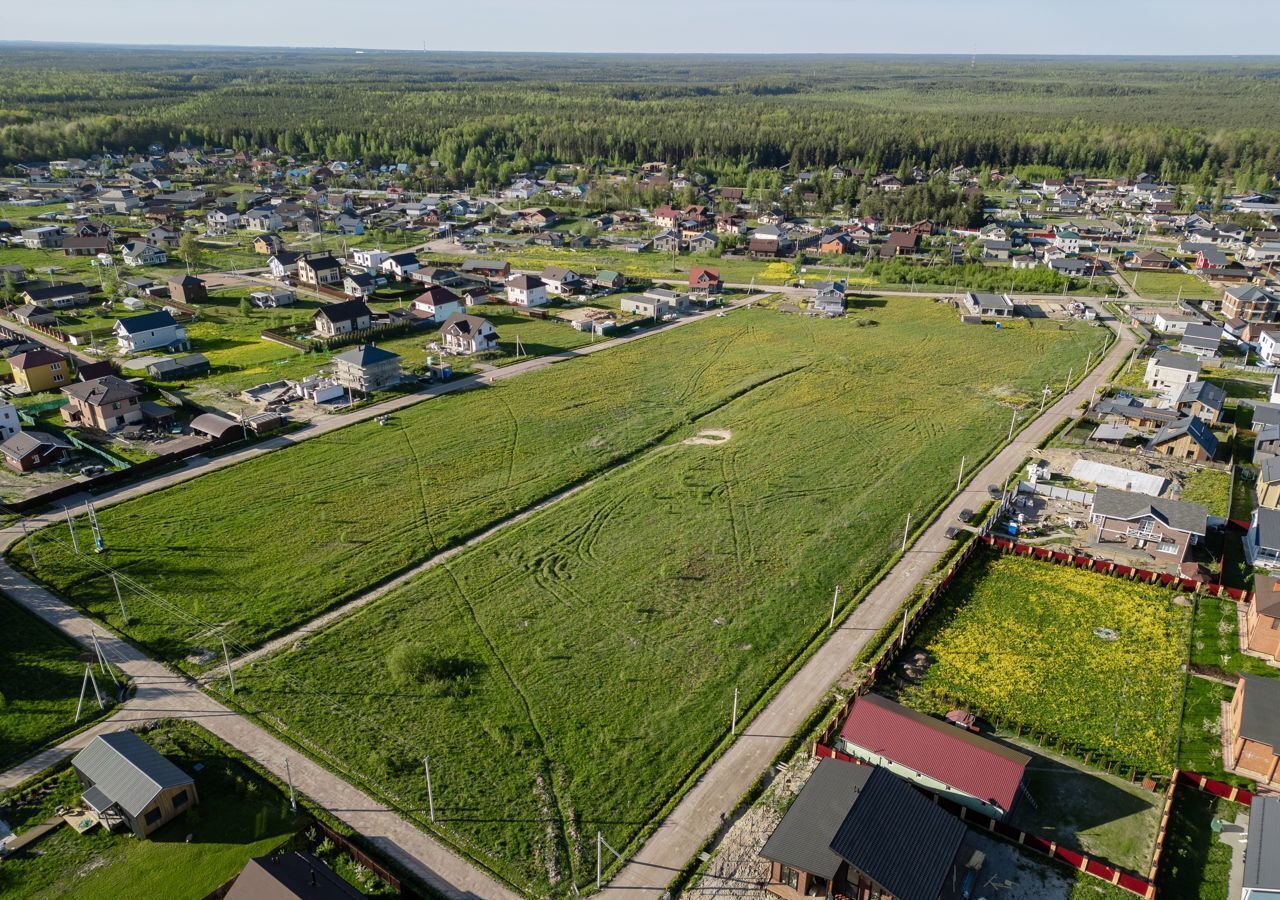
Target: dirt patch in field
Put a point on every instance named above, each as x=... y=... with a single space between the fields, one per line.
x=710 y=436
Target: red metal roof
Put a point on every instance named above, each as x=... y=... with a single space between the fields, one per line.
x=969 y=763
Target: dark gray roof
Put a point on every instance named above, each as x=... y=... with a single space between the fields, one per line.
x=899 y=838
x=147 y=321
x=1269 y=473
x=1260 y=714
x=1262 y=853
x=346 y=311
x=1207 y=337
x=1188 y=517
x=1266 y=533
x=127 y=770
x=366 y=355
x=1191 y=425
x=101 y=391
x=289 y=876
x=1132 y=408
x=990 y=301
x=1171 y=360
x=1208 y=393
x=803 y=838
x=1266 y=414
x=21 y=443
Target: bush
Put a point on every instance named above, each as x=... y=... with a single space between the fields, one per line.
x=410 y=664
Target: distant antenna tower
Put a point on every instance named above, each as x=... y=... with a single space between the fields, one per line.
x=973 y=61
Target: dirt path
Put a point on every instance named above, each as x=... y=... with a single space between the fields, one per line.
x=699 y=814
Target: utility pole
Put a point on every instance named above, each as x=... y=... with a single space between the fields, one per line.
x=1066 y=389
x=906 y=531
x=31 y=544
x=834 y=599
x=1013 y=420
x=1044 y=395
x=85 y=682
x=960 y=477
x=119 y=598
x=431 y=798
x=733 y=724
x=226 y=657
x=902 y=641
x=102 y=657
x=71 y=526
x=98 y=543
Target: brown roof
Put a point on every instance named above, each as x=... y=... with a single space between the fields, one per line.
x=33 y=358
x=101 y=391
x=291 y=876
x=1266 y=595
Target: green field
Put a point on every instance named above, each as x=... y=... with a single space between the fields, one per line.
x=569 y=673
x=240 y=815
x=1170 y=285
x=40 y=676
x=1017 y=641
x=1210 y=488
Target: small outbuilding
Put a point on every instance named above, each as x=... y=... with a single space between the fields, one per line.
x=128 y=782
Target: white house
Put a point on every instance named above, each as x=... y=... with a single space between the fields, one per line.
x=1172 y=323
x=283 y=264
x=1265 y=252
x=526 y=290
x=223 y=218
x=262 y=219
x=369 y=259
x=1169 y=373
x=150 y=331
x=561 y=282
x=464 y=333
x=359 y=285
x=1269 y=350
x=401 y=265
x=136 y=253
x=1202 y=341
x=437 y=304
x=10 y=424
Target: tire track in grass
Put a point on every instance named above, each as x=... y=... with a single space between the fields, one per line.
x=512 y=444
x=422 y=490
x=562 y=837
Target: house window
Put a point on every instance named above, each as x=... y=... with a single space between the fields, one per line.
x=152 y=817
x=57 y=378
x=791 y=878
x=1167 y=547
x=180 y=799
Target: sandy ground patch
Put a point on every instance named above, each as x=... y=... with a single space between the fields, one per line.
x=710 y=436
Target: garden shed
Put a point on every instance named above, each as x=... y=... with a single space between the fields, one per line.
x=127 y=781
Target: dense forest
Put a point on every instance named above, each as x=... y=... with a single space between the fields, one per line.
x=482 y=118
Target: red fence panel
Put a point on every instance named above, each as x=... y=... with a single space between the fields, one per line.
x=1133 y=884
x=1099 y=870
x=1071 y=857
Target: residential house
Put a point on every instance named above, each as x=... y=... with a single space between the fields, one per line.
x=488 y=269
x=1261 y=879
x=30 y=314
x=860 y=831
x=989 y=305
x=128 y=782
x=369 y=259
x=1262 y=618
x=10 y=424
x=1169 y=372
x=828 y=302
x=43 y=237
x=970 y=770
x=40 y=370
x=703 y=280
x=1266 y=488
x=189 y=289
x=150 y=331
x=998 y=250
x=1262 y=541
x=268 y=244
x=1202 y=341
x=609 y=280
x=562 y=282
x=359 y=285
x=1150 y=260
x=1135 y=413
x=1253 y=730
x=1167 y=529
x=1266 y=439
x=342 y=318
x=901 y=243
x=283 y=263
x=1264 y=252
x=290 y=876
x=1269 y=348
x=667 y=242
x=319 y=270
x=88 y=245
x=26 y=451
x=263 y=219
x=1174 y=323
x=1202 y=399
x=1251 y=303
x=526 y=290
x=367 y=369
x=665 y=217
x=702 y=242
x=1188 y=438
x=179 y=368
x=400 y=265
x=437 y=303
x=463 y=333
x=273 y=298
x=222 y=219
x=56 y=296
x=108 y=404
x=138 y=253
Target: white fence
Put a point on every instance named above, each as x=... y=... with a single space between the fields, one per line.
x=1055 y=493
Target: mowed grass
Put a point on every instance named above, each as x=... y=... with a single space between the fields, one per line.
x=580 y=665
x=1170 y=285
x=240 y=815
x=40 y=676
x=1072 y=656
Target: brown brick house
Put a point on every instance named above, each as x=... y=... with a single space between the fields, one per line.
x=1262 y=618
x=1253 y=729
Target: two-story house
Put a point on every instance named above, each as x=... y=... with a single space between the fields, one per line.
x=526 y=290
x=437 y=303
x=150 y=331
x=342 y=318
x=319 y=270
x=463 y=333
x=108 y=404
x=40 y=370
x=367 y=369
x=1169 y=373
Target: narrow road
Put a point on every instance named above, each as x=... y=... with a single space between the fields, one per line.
x=699 y=813
x=160 y=693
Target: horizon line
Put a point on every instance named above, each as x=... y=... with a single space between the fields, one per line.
x=959 y=54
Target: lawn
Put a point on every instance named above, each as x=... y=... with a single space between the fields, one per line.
x=240 y=815
x=1210 y=488
x=40 y=676
x=1196 y=864
x=571 y=672
x=1083 y=660
x=1170 y=285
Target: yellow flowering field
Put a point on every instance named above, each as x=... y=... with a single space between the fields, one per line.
x=1091 y=660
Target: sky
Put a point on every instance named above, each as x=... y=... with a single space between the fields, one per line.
x=1127 y=27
